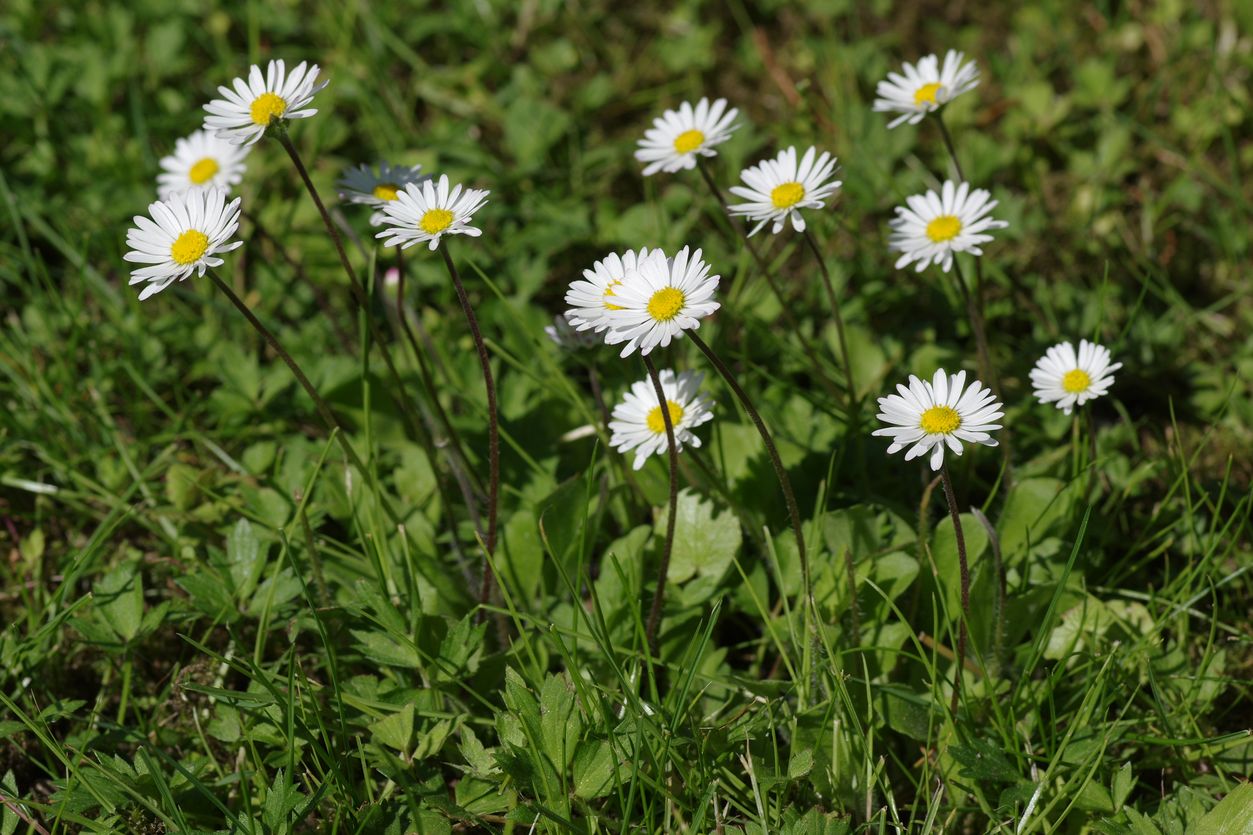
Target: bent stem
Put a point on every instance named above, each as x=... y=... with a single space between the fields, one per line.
x=839 y=320
x=654 y=612
x=964 y=570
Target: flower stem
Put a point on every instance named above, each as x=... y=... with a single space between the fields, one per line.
x=654 y=612
x=948 y=143
x=839 y=320
x=964 y=570
x=986 y=373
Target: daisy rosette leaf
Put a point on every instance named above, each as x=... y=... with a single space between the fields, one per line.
x=931 y=227
x=777 y=189
x=638 y=423
x=426 y=211
x=592 y=297
x=366 y=186
x=659 y=300
x=565 y=335
x=181 y=236
x=919 y=89
x=1069 y=378
x=929 y=416
x=250 y=107
x=677 y=137
x=201 y=161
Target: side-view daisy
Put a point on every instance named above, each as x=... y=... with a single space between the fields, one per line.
x=244 y=113
x=677 y=136
x=201 y=161
x=659 y=300
x=920 y=89
x=363 y=185
x=427 y=211
x=1069 y=379
x=928 y=416
x=181 y=236
x=934 y=226
x=639 y=425
x=777 y=189
x=564 y=335
x=592 y=297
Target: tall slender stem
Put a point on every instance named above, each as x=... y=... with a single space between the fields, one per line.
x=839 y=319
x=948 y=143
x=659 y=593
x=964 y=570
x=986 y=372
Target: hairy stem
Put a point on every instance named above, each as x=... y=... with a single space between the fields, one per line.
x=851 y=387
x=659 y=593
x=964 y=570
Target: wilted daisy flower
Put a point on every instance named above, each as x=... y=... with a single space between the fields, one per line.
x=426 y=211
x=925 y=87
x=181 y=236
x=201 y=161
x=592 y=297
x=930 y=416
x=563 y=333
x=779 y=188
x=361 y=184
x=1070 y=380
x=934 y=226
x=242 y=114
x=659 y=300
x=639 y=425
x=677 y=136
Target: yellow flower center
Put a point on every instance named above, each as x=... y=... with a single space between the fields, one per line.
x=386 y=191
x=657 y=421
x=609 y=292
x=944 y=228
x=1076 y=381
x=189 y=247
x=203 y=171
x=666 y=304
x=926 y=93
x=787 y=195
x=435 y=221
x=939 y=420
x=688 y=141
x=267 y=107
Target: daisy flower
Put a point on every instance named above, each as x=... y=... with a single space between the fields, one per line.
x=934 y=226
x=1070 y=380
x=675 y=138
x=591 y=298
x=659 y=300
x=363 y=185
x=244 y=113
x=777 y=189
x=201 y=161
x=564 y=335
x=930 y=416
x=426 y=211
x=639 y=425
x=925 y=87
x=181 y=236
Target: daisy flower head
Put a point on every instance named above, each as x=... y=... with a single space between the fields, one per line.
x=201 y=161
x=638 y=423
x=659 y=300
x=427 y=211
x=934 y=226
x=677 y=136
x=363 y=185
x=592 y=297
x=181 y=236
x=1069 y=379
x=777 y=189
x=928 y=416
x=924 y=87
x=565 y=335
x=248 y=108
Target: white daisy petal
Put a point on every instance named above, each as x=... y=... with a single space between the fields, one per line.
x=926 y=87
x=932 y=415
x=777 y=190
x=639 y=424
x=660 y=299
x=678 y=137
x=422 y=214
x=365 y=186
x=248 y=108
x=935 y=226
x=192 y=226
x=1068 y=377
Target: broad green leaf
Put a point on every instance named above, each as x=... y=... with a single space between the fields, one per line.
x=119 y=597
x=944 y=552
x=245 y=559
x=704 y=543
x=396 y=730
x=593 y=769
x=1232 y=816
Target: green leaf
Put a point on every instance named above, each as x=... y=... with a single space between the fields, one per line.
x=560 y=721
x=1124 y=781
x=210 y=594
x=1030 y=508
x=245 y=559
x=396 y=730
x=593 y=769
x=119 y=597
x=1232 y=816
x=384 y=649
x=704 y=543
x=944 y=551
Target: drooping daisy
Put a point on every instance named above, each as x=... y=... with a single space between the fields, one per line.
x=201 y=161
x=659 y=300
x=362 y=184
x=592 y=297
x=925 y=87
x=677 y=136
x=427 y=211
x=928 y=416
x=181 y=236
x=244 y=113
x=934 y=226
x=564 y=335
x=1070 y=380
x=779 y=188
x=638 y=423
